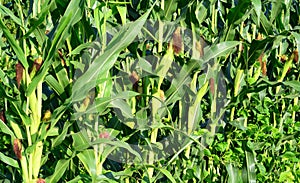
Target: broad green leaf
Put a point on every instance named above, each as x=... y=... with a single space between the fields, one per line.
x=16 y=128
x=236 y=13
x=60 y=169
x=169 y=8
x=26 y=120
x=102 y=103
x=82 y=47
x=5 y=129
x=119 y=144
x=201 y=13
x=2 y=75
x=34 y=24
x=71 y=16
x=167 y=174
x=7 y=12
x=8 y=160
x=37 y=154
x=61 y=74
x=257 y=47
x=165 y=64
x=219 y=50
x=105 y=61
x=276 y=10
x=250 y=160
x=286 y=176
x=213 y=52
x=233 y=174
x=87 y=157
x=123 y=106
x=4 y=94
x=122 y=11
x=75 y=180
x=293 y=84
x=176 y=90
x=58 y=140
x=44 y=131
x=257 y=8
x=53 y=83
x=14 y=44
x=266 y=25
x=58 y=112
x=80 y=141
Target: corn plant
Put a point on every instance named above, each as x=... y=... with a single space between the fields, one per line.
x=149 y=91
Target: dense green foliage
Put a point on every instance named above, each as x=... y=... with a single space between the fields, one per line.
x=90 y=91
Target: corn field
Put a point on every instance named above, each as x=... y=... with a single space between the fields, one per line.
x=148 y=91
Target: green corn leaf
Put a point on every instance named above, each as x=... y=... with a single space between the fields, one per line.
x=71 y=16
x=59 y=139
x=257 y=8
x=219 y=50
x=167 y=174
x=119 y=144
x=233 y=174
x=7 y=12
x=293 y=84
x=266 y=25
x=250 y=160
x=60 y=169
x=87 y=157
x=61 y=74
x=26 y=120
x=83 y=46
x=235 y=14
x=53 y=83
x=8 y=160
x=5 y=129
x=14 y=44
x=40 y=19
x=276 y=10
x=122 y=11
x=169 y=8
x=105 y=61
x=257 y=47
x=181 y=79
x=80 y=141
x=76 y=179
